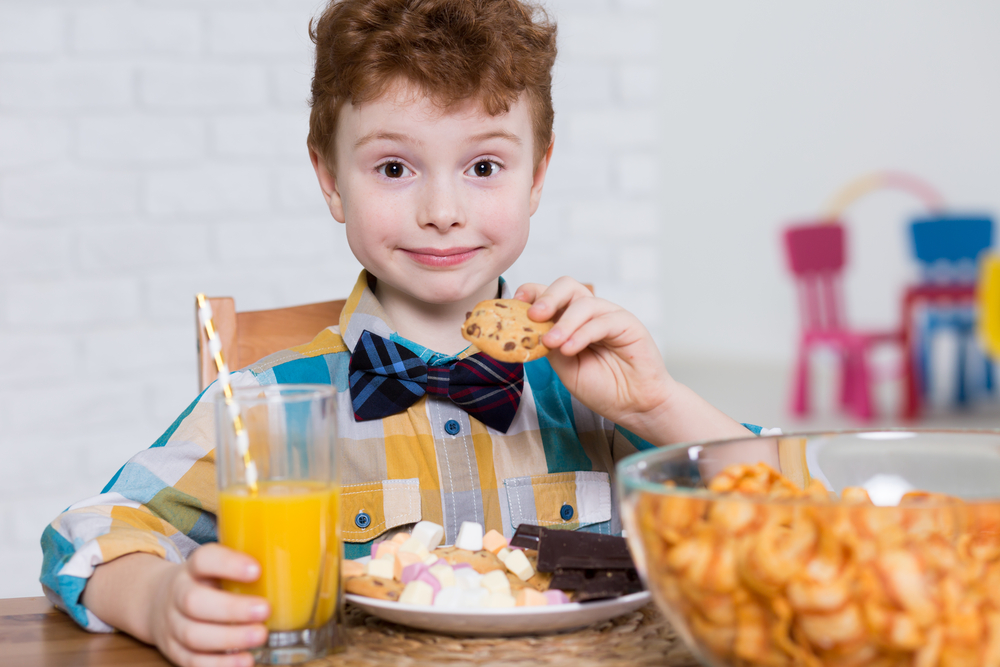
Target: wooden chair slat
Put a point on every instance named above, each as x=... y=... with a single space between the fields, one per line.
x=252 y=335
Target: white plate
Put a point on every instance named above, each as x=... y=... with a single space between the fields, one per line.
x=500 y=622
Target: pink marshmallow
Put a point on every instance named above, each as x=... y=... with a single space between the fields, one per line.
x=556 y=596
x=412 y=572
x=430 y=580
x=459 y=566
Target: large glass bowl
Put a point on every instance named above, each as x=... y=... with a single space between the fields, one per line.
x=887 y=577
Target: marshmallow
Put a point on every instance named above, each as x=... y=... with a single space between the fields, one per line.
x=399 y=538
x=412 y=572
x=529 y=597
x=415 y=546
x=379 y=567
x=475 y=597
x=444 y=574
x=429 y=533
x=503 y=553
x=430 y=580
x=470 y=536
x=386 y=549
x=494 y=541
x=431 y=560
x=417 y=592
x=404 y=558
x=352 y=568
x=498 y=600
x=467 y=578
x=496 y=582
x=518 y=563
x=556 y=596
x=449 y=597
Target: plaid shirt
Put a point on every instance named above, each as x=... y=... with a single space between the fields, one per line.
x=552 y=467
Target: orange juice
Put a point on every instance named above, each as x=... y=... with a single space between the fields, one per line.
x=290 y=527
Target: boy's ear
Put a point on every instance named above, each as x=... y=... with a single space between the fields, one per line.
x=539 y=178
x=328 y=184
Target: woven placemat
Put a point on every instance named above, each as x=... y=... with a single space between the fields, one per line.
x=641 y=638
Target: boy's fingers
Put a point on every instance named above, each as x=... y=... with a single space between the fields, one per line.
x=593 y=331
x=576 y=315
x=557 y=296
x=529 y=292
x=185 y=658
x=214 y=561
x=205 y=603
x=200 y=637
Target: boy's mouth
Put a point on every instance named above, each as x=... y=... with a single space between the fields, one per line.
x=441 y=256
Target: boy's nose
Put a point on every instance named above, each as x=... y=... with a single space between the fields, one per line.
x=440 y=206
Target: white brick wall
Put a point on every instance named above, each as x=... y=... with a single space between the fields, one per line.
x=149 y=153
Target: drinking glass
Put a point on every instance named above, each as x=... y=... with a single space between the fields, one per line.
x=290 y=523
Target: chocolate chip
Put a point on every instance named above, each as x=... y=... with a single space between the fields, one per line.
x=468 y=315
x=473 y=330
x=528 y=329
x=499 y=305
x=527 y=342
x=507 y=347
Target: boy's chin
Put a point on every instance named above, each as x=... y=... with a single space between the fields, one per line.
x=442 y=295
x=443 y=292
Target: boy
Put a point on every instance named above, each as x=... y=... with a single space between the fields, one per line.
x=431 y=133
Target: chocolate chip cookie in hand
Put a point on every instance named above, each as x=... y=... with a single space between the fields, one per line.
x=501 y=328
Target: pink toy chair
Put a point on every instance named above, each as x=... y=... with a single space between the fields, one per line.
x=816 y=258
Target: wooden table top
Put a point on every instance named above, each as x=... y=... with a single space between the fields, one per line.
x=35 y=634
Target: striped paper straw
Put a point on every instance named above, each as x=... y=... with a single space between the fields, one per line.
x=215 y=349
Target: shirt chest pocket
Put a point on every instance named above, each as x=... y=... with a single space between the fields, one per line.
x=370 y=509
x=568 y=500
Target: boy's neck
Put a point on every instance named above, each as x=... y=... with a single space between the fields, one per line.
x=437 y=326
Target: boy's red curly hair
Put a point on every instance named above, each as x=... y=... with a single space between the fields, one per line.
x=452 y=50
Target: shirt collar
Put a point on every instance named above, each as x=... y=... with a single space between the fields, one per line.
x=363 y=312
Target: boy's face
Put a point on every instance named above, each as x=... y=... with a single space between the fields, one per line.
x=436 y=202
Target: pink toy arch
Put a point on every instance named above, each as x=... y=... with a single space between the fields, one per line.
x=896 y=180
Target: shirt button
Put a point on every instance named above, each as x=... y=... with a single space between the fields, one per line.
x=566 y=512
x=452 y=427
x=362 y=520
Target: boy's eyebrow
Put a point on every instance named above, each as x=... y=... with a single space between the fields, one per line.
x=376 y=135
x=496 y=134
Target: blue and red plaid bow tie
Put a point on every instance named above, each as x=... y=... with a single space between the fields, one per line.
x=387 y=378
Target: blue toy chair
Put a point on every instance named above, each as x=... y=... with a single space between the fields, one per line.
x=948 y=248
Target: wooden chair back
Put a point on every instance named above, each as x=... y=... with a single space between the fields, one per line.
x=251 y=335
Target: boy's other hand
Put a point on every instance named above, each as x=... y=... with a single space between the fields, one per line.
x=601 y=352
x=195 y=623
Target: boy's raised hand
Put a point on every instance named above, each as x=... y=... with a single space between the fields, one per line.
x=601 y=352
x=607 y=359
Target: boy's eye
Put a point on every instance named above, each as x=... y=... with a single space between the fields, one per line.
x=484 y=169
x=393 y=170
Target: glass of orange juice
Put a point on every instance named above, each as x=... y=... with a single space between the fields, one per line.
x=289 y=521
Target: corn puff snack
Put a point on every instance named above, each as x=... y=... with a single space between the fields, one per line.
x=835 y=581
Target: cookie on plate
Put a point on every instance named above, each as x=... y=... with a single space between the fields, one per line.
x=480 y=561
x=501 y=328
x=374 y=587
